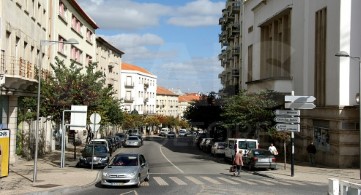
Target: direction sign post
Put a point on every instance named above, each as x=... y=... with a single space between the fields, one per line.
x=286 y=119
x=288 y=127
x=288 y=112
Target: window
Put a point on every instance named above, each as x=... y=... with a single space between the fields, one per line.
x=88 y=59
x=76 y=24
x=320 y=56
x=76 y=54
x=250 y=63
x=62 y=10
x=275 y=46
x=61 y=44
x=89 y=35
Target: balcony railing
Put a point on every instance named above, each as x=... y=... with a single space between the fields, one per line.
x=17 y=67
x=128 y=85
x=128 y=100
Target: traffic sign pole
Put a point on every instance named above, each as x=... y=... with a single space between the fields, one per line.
x=293 y=148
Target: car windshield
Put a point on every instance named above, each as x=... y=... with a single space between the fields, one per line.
x=97 y=149
x=124 y=160
x=132 y=138
x=221 y=144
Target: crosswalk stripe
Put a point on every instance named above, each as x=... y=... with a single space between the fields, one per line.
x=194 y=180
x=260 y=181
x=243 y=181
x=144 y=184
x=211 y=180
x=227 y=180
x=160 y=181
x=178 y=181
x=294 y=182
x=277 y=182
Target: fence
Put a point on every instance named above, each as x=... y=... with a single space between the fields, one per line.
x=337 y=187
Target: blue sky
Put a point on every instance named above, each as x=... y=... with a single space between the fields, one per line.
x=176 y=40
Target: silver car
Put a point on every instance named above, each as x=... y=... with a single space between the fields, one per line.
x=133 y=141
x=125 y=170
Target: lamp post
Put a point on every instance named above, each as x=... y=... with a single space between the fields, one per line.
x=43 y=42
x=356 y=58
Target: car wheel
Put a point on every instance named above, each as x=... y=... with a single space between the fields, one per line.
x=138 y=183
x=147 y=178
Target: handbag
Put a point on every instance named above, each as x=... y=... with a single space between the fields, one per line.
x=232 y=168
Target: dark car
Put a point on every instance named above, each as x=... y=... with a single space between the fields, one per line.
x=112 y=144
x=94 y=154
x=122 y=137
x=198 y=138
x=171 y=134
x=259 y=158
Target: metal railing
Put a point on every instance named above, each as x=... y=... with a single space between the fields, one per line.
x=337 y=187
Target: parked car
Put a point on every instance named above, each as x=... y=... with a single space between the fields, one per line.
x=208 y=145
x=198 y=138
x=202 y=144
x=133 y=141
x=171 y=134
x=125 y=170
x=118 y=141
x=164 y=131
x=233 y=145
x=182 y=132
x=122 y=137
x=218 y=148
x=94 y=154
x=102 y=141
x=112 y=144
x=259 y=158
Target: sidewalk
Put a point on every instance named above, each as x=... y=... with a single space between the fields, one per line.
x=50 y=177
x=318 y=174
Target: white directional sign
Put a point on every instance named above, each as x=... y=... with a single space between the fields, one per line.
x=288 y=112
x=288 y=127
x=285 y=119
x=299 y=99
x=300 y=105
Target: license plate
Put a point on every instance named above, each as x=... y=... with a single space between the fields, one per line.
x=117 y=184
x=264 y=160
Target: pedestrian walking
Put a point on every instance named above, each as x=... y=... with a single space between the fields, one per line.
x=273 y=149
x=311 y=149
x=238 y=161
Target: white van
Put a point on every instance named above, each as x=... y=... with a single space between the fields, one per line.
x=241 y=144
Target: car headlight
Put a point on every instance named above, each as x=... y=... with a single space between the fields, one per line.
x=105 y=174
x=104 y=159
x=132 y=174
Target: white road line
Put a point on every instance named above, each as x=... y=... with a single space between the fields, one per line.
x=194 y=180
x=293 y=182
x=227 y=180
x=178 y=181
x=160 y=181
x=180 y=170
x=262 y=182
x=144 y=184
x=211 y=180
x=243 y=181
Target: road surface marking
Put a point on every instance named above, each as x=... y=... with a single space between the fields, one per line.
x=227 y=180
x=178 y=181
x=262 y=182
x=211 y=180
x=160 y=181
x=293 y=182
x=180 y=170
x=194 y=180
x=243 y=181
x=144 y=184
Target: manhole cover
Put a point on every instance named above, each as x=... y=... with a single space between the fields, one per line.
x=46 y=186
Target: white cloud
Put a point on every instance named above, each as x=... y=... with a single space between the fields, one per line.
x=125 y=14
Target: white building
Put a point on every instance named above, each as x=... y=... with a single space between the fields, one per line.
x=185 y=100
x=290 y=46
x=167 y=102
x=138 y=88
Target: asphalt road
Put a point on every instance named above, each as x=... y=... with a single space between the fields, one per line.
x=178 y=167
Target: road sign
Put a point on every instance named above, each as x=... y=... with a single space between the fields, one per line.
x=288 y=112
x=300 y=105
x=285 y=119
x=95 y=118
x=299 y=99
x=288 y=127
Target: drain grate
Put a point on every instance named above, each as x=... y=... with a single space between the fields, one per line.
x=46 y=186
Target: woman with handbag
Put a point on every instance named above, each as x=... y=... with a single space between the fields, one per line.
x=238 y=161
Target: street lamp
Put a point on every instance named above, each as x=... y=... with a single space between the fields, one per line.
x=356 y=58
x=43 y=42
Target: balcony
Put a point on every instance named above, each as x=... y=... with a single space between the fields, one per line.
x=129 y=85
x=146 y=100
x=19 y=73
x=146 y=86
x=235 y=72
x=112 y=64
x=236 y=8
x=128 y=100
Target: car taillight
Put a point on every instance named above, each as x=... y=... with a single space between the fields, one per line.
x=273 y=159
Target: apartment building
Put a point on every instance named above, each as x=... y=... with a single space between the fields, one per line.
x=230 y=56
x=167 y=102
x=138 y=88
x=185 y=100
x=291 y=46
x=109 y=58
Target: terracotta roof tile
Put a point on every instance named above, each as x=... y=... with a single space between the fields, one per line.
x=164 y=91
x=190 y=97
x=126 y=66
